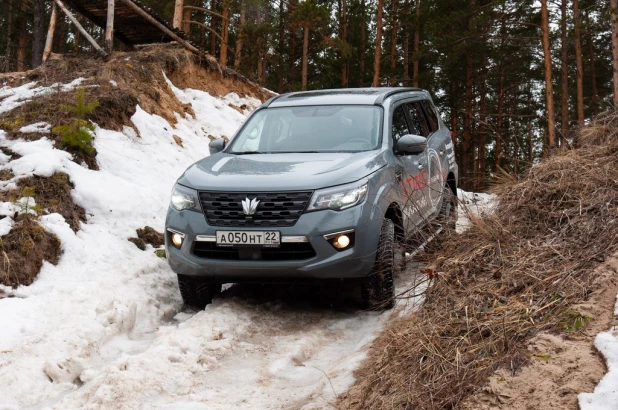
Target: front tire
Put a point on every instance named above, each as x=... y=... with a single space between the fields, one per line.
x=378 y=291
x=197 y=293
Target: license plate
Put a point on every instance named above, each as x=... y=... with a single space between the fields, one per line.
x=248 y=238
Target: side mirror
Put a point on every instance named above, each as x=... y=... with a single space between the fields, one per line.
x=216 y=145
x=411 y=144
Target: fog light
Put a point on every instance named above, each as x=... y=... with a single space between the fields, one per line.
x=177 y=239
x=341 y=242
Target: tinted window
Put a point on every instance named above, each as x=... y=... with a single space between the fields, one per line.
x=432 y=116
x=417 y=119
x=400 y=125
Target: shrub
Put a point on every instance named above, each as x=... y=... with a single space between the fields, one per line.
x=78 y=133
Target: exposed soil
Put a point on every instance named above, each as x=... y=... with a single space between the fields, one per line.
x=561 y=365
x=147 y=236
x=54 y=194
x=23 y=250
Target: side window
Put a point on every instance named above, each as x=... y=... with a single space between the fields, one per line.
x=400 y=125
x=417 y=119
x=432 y=117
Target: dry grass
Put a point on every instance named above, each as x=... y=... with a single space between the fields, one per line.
x=23 y=250
x=508 y=277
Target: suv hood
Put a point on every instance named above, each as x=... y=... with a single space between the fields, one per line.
x=285 y=172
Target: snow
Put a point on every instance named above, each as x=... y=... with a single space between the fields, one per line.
x=14 y=97
x=605 y=395
x=472 y=203
x=39 y=127
x=104 y=327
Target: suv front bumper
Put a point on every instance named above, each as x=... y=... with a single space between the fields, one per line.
x=328 y=263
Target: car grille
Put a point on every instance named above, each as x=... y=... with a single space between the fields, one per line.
x=286 y=252
x=274 y=209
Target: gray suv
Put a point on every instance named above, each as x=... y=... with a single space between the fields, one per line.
x=315 y=185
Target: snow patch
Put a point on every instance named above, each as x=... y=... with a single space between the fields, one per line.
x=605 y=396
x=11 y=98
x=38 y=127
x=473 y=203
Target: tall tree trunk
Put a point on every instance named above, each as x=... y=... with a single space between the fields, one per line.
x=453 y=113
x=240 y=36
x=224 y=33
x=406 y=43
x=467 y=127
x=61 y=38
x=483 y=128
x=498 y=152
x=305 y=56
x=281 y=48
x=417 y=42
x=394 y=42
x=264 y=48
x=178 y=14
x=292 y=55
x=38 y=32
x=363 y=46
x=530 y=135
x=259 y=47
x=76 y=35
x=213 y=26
x=593 y=75
x=186 y=18
x=564 y=82
x=580 y=65
x=343 y=36
x=614 y=14
x=549 y=91
x=22 y=41
x=378 y=54
x=9 y=35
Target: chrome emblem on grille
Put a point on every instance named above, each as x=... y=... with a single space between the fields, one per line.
x=249 y=206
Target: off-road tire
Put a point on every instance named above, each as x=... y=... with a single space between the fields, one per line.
x=448 y=211
x=378 y=291
x=197 y=293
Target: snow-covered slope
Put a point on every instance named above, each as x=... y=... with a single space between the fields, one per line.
x=103 y=287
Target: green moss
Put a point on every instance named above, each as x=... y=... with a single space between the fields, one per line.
x=160 y=253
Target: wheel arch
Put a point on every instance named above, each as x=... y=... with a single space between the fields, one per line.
x=452 y=182
x=393 y=212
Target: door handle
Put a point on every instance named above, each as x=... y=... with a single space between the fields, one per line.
x=420 y=166
x=441 y=153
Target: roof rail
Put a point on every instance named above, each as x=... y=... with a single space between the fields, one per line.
x=271 y=100
x=390 y=93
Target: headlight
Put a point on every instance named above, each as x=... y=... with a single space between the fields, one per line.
x=339 y=197
x=184 y=198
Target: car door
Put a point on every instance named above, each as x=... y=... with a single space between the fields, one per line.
x=437 y=162
x=410 y=171
x=418 y=126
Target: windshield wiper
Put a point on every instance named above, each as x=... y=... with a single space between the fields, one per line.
x=250 y=152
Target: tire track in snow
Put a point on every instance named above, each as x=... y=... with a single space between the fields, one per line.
x=267 y=347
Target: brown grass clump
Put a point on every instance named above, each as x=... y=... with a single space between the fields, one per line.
x=511 y=275
x=54 y=195
x=147 y=235
x=23 y=250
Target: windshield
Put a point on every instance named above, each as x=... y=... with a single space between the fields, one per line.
x=330 y=128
